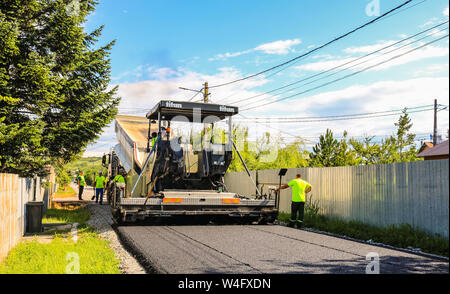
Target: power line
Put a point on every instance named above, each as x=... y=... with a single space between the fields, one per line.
x=195 y=95
x=271 y=127
x=349 y=62
x=347 y=118
x=355 y=65
x=315 y=49
x=347 y=76
x=339 y=116
x=268 y=76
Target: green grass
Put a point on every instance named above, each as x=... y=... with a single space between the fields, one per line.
x=54 y=216
x=95 y=256
x=61 y=193
x=69 y=189
x=401 y=236
x=32 y=257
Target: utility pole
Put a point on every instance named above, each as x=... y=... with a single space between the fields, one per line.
x=206 y=93
x=435 y=123
x=205 y=100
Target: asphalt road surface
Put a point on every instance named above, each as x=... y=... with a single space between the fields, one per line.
x=263 y=249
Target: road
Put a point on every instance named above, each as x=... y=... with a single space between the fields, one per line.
x=263 y=249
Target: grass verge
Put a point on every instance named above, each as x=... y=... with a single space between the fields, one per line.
x=401 y=236
x=54 y=216
x=61 y=193
x=94 y=255
x=89 y=251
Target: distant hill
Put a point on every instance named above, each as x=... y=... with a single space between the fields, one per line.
x=90 y=166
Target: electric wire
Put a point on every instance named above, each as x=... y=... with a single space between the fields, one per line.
x=337 y=116
x=351 y=61
x=283 y=68
x=348 y=118
x=347 y=76
x=317 y=48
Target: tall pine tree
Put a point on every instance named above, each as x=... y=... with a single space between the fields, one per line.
x=54 y=94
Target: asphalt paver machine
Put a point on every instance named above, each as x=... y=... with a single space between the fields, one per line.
x=176 y=176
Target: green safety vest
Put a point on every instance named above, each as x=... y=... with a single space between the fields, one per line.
x=299 y=187
x=119 y=179
x=154 y=141
x=100 y=182
x=82 y=180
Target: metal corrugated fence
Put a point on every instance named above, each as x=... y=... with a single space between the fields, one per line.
x=416 y=193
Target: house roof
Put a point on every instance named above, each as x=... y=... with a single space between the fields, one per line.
x=441 y=149
x=429 y=144
x=425 y=146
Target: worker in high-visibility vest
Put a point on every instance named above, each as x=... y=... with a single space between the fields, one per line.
x=154 y=138
x=100 y=185
x=299 y=189
x=119 y=180
x=81 y=183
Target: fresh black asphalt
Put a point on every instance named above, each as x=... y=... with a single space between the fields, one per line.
x=268 y=249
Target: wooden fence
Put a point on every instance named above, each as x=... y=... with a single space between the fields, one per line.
x=11 y=213
x=15 y=192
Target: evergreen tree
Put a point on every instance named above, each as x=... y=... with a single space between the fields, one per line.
x=331 y=152
x=401 y=147
x=396 y=148
x=346 y=156
x=54 y=95
x=324 y=152
x=366 y=151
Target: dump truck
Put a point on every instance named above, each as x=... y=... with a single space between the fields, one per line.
x=170 y=175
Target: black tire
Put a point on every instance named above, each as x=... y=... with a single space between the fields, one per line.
x=263 y=220
x=117 y=217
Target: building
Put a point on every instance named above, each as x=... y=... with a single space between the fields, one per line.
x=425 y=146
x=439 y=151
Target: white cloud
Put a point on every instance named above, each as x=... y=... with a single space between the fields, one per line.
x=139 y=97
x=420 y=54
x=228 y=55
x=280 y=47
x=146 y=94
x=445 y=12
x=369 y=48
x=163 y=73
x=430 y=22
x=323 y=65
x=431 y=70
x=381 y=96
x=437 y=33
x=375 y=97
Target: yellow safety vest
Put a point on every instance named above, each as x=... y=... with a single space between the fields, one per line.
x=299 y=187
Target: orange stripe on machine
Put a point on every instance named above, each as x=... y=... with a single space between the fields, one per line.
x=231 y=200
x=172 y=200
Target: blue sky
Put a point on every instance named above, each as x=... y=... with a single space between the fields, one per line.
x=162 y=45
